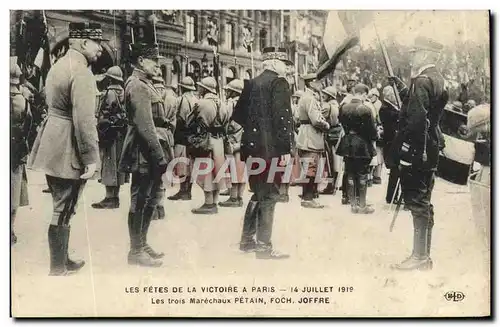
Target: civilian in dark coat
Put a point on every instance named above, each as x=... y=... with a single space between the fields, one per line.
x=264 y=111
x=357 y=147
x=417 y=145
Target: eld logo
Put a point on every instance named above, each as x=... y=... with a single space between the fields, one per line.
x=454 y=296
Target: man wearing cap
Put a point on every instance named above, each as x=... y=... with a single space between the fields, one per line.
x=142 y=154
x=66 y=148
x=211 y=117
x=112 y=126
x=21 y=121
x=185 y=106
x=330 y=112
x=310 y=141
x=417 y=145
x=164 y=116
x=264 y=111
x=357 y=148
x=234 y=132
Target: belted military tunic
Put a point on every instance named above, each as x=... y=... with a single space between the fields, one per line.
x=233 y=150
x=215 y=117
x=184 y=106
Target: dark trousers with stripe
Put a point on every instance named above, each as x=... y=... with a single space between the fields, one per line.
x=65 y=195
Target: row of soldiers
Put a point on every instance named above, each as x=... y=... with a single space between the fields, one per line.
x=141 y=127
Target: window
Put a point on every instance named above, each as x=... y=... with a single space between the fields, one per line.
x=249 y=13
x=262 y=39
x=229 y=36
x=191 y=28
x=263 y=15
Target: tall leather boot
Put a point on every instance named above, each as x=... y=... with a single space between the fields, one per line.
x=137 y=255
x=429 y=234
x=351 y=194
x=345 y=189
x=72 y=265
x=147 y=217
x=57 y=236
x=264 y=231
x=362 y=187
x=247 y=242
x=419 y=260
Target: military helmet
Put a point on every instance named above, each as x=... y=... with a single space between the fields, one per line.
x=158 y=80
x=115 y=73
x=235 y=85
x=375 y=92
x=457 y=106
x=209 y=84
x=331 y=91
x=187 y=83
x=15 y=72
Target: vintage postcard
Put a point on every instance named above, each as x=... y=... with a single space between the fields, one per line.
x=250 y=163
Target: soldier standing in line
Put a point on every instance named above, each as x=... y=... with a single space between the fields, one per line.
x=66 y=148
x=210 y=117
x=142 y=154
x=185 y=107
x=21 y=121
x=264 y=111
x=357 y=147
x=417 y=144
x=310 y=141
x=112 y=126
x=332 y=136
x=233 y=146
x=164 y=117
x=296 y=124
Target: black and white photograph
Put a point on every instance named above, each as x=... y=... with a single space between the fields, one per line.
x=252 y=163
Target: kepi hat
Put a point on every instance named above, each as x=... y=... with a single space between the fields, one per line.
x=86 y=30
x=270 y=53
x=145 y=50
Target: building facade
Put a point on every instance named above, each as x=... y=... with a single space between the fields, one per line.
x=182 y=37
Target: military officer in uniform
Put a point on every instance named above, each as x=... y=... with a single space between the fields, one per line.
x=234 y=133
x=142 y=154
x=185 y=107
x=21 y=121
x=112 y=126
x=310 y=141
x=357 y=147
x=66 y=148
x=332 y=136
x=164 y=117
x=417 y=144
x=211 y=116
x=264 y=111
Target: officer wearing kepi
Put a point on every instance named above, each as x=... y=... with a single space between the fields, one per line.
x=111 y=125
x=66 y=148
x=417 y=143
x=264 y=111
x=142 y=154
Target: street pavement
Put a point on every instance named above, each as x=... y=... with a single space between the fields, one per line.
x=329 y=247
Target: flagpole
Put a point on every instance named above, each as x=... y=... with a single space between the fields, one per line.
x=282 y=27
x=251 y=59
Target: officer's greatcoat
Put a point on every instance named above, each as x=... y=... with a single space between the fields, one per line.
x=68 y=141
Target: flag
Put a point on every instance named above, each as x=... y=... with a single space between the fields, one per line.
x=341 y=34
x=216 y=70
